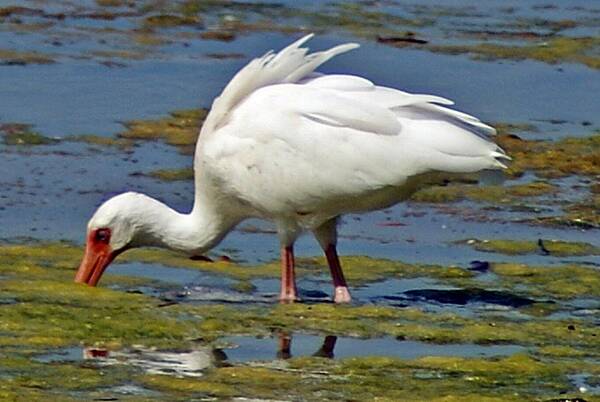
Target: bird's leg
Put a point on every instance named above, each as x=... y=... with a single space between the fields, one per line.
x=342 y=294
x=284 y=350
x=326 y=235
x=289 y=293
x=327 y=348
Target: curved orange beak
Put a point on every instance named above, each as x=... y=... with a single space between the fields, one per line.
x=97 y=257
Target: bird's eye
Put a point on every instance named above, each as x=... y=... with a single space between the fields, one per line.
x=102 y=235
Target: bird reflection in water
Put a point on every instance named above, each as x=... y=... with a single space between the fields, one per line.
x=190 y=363
x=284 y=350
x=194 y=362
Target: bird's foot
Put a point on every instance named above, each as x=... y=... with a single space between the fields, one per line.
x=288 y=297
x=342 y=295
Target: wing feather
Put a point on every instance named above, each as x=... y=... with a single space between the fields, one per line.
x=289 y=65
x=365 y=90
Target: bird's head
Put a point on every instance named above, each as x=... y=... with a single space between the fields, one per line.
x=110 y=232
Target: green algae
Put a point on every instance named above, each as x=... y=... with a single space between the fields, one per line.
x=381 y=378
x=28 y=138
x=17 y=10
x=549 y=161
x=405 y=324
x=146 y=37
x=47 y=313
x=490 y=194
x=22 y=134
x=322 y=318
x=63 y=258
x=354 y=18
x=58 y=254
x=361 y=269
x=555 y=50
x=50 y=311
x=170 y=21
x=512 y=37
x=368 y=22
x=25 y=379
x=357 y=269
x=585 y=213
x=519 y=247
x=243 y=286
x=172 y=174
x=224 y=56
x=180 y=129
x=562 y=282
x=171 y=259
x=565 y=157
x=15 y=57
x=111 y=3
x=91 y=139
x=70 y=377
x=25 y=28
x=540 y=281
x=521 y=374
x=560 y=352
x=220 y=35
x=358 y=19
x=228 y=382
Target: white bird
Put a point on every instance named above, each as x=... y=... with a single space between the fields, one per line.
x=298 y=148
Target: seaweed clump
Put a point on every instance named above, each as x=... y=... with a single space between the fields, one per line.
x=22 y=134
x=559 y=49
x=548 y=247
x=172 y=174
x=561 y=282
x=19 y=58
x=170 y=20
x=491 y=194
x=566 y=157
x=180 y=129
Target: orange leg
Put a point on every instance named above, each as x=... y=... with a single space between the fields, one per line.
x=342 y=294
x=289 y=293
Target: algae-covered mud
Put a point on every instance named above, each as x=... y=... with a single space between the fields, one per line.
x=483 y=289
x=136 y=338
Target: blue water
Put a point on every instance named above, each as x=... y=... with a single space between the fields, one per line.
x=50 y=192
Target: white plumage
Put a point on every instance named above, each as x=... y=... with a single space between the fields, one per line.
x=285 y=140
x=300 y=148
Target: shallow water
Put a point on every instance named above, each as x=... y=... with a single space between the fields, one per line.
x=243 y=349
x=183 y=363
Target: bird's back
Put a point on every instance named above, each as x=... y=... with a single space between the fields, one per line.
x=320 y=145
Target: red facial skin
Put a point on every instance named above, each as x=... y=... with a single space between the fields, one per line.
x=98 y=255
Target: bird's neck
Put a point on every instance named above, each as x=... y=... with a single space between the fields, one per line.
x=161 y=226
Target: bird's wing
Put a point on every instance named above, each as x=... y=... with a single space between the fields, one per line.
x=287 y=66
x=325 y=139
x=359 y=88
x=425 y=121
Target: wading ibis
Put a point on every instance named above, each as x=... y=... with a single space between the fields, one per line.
x=285 y=143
